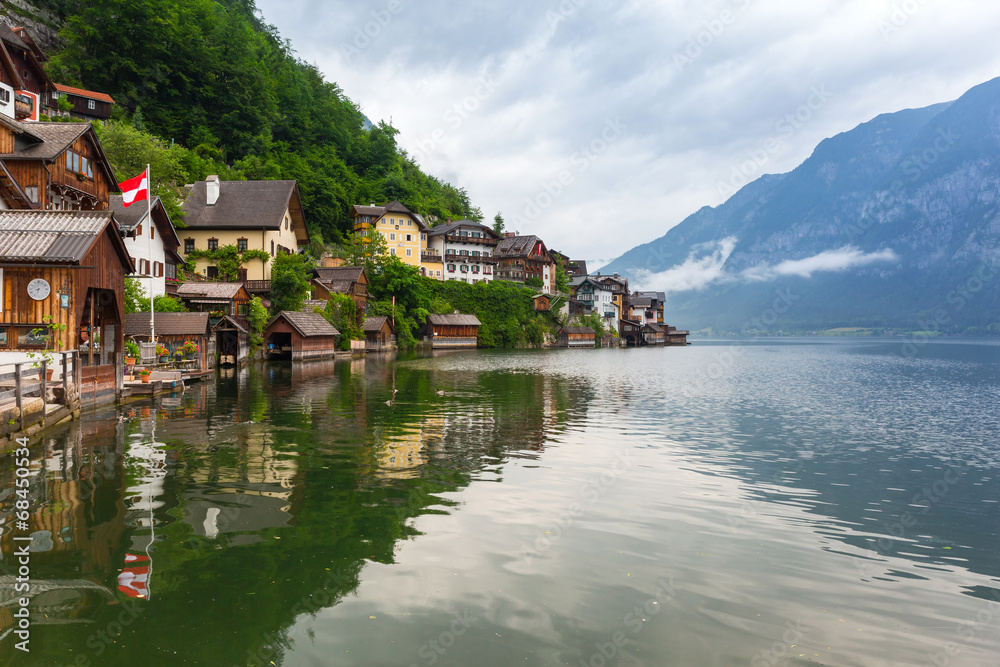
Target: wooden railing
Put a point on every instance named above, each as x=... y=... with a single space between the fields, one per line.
x=29 y=380
x=458 y=238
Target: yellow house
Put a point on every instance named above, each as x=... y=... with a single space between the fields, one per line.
x=404 y=231
x=251 y=215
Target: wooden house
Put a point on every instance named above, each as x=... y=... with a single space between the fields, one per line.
x=542 y=302
x=223 y=298
x=68 y=267
x=173 y=330
x=55 y=166
x=379 y=334
x=87 y=104
x=24 y=78
x=675 y=337
x=153 y=247
x=577 y=337
x=451 y=331
x=523 y=257
x=654 y=335
x=350 y=280
x=631 y=332
x=292 y=334
x=232 y=340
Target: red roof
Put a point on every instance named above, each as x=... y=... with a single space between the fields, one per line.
x=80 y=92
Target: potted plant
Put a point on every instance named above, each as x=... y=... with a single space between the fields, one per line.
x=190 y=349
x=131 y=352
x=163 y=353
x=53 y=342
x=144 y=375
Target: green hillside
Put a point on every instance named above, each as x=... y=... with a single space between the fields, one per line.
x=211 y=75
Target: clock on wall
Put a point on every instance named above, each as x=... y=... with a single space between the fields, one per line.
x=39 y=289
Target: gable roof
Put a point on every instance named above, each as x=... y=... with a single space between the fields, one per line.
x=245 y=205
x=55 y=236
x=12 y=39
x=448 y=227
x=167 y=324
x=374 y=211
x=391 y=207
x=375 y=323
x=454 y=319
x=518 y=246
x=641 y=302
x=25 y=36
x=220 y=291
x=338 y=273
x=129 y=217
x=307 y=324
x=8 y=64
x=48 y=141
x=80 y=92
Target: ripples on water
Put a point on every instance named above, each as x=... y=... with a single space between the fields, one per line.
x=772 y=503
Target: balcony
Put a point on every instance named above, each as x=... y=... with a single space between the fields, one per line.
x=429 y=256
x=458 y=238
x=480 y=259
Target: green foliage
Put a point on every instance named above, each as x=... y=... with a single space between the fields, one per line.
x=533 y=282
x=290 y=276
x=257 y=317
x=229 y=260
x=562 y=278
x=131 y=349
x=498 y=224
x=506 y=310
x=595 y=322
x=135 y=297
x=164 y=303
x=212 y=76
x=346 y=318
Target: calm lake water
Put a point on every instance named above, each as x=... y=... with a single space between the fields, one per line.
x=802 y=502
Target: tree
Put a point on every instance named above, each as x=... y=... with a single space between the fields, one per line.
x=164 y=303
x=290 y=276
x=562 y=278
x=534 y=282
x=135 y=297
x=257 y=319
x=498 y=224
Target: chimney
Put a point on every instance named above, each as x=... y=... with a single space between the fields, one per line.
x=510 y=235
x=211 y=190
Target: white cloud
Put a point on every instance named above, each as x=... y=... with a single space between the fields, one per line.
x=560 y=80
x=706 y=266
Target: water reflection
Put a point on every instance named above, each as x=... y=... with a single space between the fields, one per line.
x=349 y=512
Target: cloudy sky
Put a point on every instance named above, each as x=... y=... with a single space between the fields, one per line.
x=600 y=124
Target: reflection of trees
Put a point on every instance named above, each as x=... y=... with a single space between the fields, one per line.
x=282 y=481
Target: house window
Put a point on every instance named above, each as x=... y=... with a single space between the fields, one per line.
x=475 y=269
x=438 y=273
x=152 y=231
x=212 y=272
x=286 y=223
x=213 y=244
x=241 y=245
x=91 y=104
x=451 y=268
x=465 y=268
x=423 y=237
x=487 y=270
x=409 y=253
x=393 y=251
x=83 y=165
x=409 y=223
x=32 y=192
x=188 y=246
x=392 y=236
x=409 y=237
x=272 y=248
x=157 y=270
x=55 y=96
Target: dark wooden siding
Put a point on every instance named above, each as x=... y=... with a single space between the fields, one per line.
x=96 y=186
x=19 y=308
x=29 y=173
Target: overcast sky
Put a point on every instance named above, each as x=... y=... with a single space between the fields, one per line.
x=600 y=124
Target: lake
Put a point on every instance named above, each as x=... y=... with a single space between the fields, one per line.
x=770 y=502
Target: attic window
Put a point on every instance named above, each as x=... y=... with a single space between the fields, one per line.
x=55 y=95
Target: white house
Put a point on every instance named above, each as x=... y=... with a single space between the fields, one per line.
x=597 y=297
x=466 y=250
x=153 y=247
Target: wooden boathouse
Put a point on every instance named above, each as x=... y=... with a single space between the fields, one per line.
x=456 y=330
x=577 y=337
x=295 y=335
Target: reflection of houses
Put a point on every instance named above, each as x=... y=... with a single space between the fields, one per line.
x=349 y=280
x=153 y=247
x=250 y=215
x=69 y=266
x=576 y=337
x=297 y=335
x=451 y=331
x=173 y=330
x=379 y=334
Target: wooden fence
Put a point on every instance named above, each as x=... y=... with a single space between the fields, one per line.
x=26 y=392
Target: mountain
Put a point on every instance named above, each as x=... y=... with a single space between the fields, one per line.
x=894 y=224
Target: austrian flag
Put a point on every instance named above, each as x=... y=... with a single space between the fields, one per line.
x=135 y=189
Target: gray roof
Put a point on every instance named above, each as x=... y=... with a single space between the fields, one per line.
x=659 y=296
x=55 y=139
x=456 y=319
x=167 y=324
x=11 y=37
x=449 y=227
x=374 y=211
x=577 y=330
x=333 y=273
x=50 y=236
x=309 y=305
x=208 y=290
x=375 y=323
x=642 y=302
x=307 y=324
x=241 y=205
x=517 y=246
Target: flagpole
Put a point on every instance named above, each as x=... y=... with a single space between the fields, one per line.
x=149 y=247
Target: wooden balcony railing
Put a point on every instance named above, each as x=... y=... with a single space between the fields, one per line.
x=458 y=238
